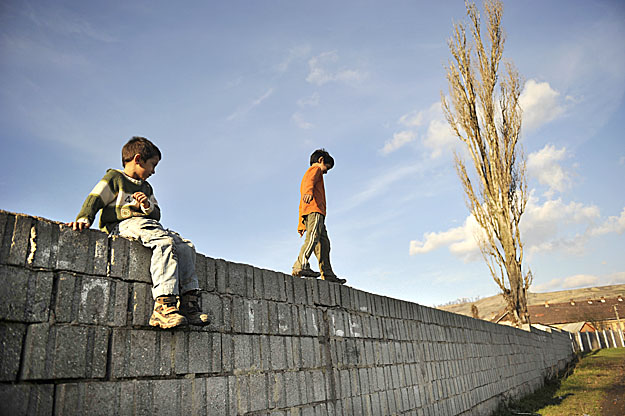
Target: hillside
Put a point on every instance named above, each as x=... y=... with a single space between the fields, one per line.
x=488 y=307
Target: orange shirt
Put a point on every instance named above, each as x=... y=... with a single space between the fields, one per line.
x=312 y=183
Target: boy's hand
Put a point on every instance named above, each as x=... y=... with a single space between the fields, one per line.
x=141 y=199
x=78 y=225
x=307 y=198
x=301 y=232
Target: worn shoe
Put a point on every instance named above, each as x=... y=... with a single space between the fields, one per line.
x=190 y=308
x=306 y=273
x=334 y=279
x=166 y=313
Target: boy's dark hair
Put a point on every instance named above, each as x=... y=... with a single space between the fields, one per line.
x=141 y=146
x=327 y=159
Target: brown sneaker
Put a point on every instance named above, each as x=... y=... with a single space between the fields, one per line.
x=190 y=308
x=166 y=314
x=306 y=273
x=334 y=279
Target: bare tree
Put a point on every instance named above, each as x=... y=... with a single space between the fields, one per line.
x=489 y=124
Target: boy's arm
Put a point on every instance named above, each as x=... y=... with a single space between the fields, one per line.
x=98 y=198
x=311 y=177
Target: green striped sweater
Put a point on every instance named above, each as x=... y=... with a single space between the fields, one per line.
x=113 y=195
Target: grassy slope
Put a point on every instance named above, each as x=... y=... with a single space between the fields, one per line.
x=488 y=307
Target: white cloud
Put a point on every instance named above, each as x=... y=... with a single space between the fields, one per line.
x=540 y=103
x=323 y=70
x=299 y=121
x=399 y=140
x=380 y=184
x=551 y=226
x=613 y=224
x=295 y=54
x=579 y=280
x=544 y=165
x=249 y=107
x=311 y=101
x=461 y=241
x=438 y=136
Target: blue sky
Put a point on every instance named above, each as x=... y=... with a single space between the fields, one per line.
x=238 y=94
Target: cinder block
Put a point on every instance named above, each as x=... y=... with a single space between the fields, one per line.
x=292 y=389
x=68 y=286
x=102 y=398
x=20 y=240
x=5 y=246
x=64 y=352
x=97 y=263
x=246 y=353
x=215 y=353
x=221 y=275
x=46 y=245
x=258 y=392
x=217 y=395
x=237 y=279
x=299 y=290
x=119 y=248
x=73 y=254
x=258 y=290
x=134 y=353
x=212 y=306
x=324 y=292
x=200 y=352
x=26 y=294
x=168 y=396
x=139 y=259
x=141 y=304
x=288 y=288
x=271 y=285
x=277 y=350
x=276 y=388
x=227 y=353
x=308 y=352
x=200 y=270
x=312 y=292
x=239 y=390
x=70 y=350
x=181 y=348
x=211 y=274
x=94 y=300
x=27 y=399
x=11 y=337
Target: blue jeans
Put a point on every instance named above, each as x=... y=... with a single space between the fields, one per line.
x=173 y=258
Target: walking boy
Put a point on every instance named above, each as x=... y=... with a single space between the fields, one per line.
x=312 y=213
x=129 y=209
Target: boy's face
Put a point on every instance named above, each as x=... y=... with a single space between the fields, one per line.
x=325 y=167
x=147 y=168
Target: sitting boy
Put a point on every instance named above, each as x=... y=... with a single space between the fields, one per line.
x=130 y=210
x=312 y=213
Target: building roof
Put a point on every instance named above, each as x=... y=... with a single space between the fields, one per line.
x=590 y=310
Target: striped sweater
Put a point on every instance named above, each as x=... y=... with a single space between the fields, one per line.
x=113 y=195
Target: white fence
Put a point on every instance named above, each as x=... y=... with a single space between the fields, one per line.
x=607 y=338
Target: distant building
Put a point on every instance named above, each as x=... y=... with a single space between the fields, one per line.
x=576 y=316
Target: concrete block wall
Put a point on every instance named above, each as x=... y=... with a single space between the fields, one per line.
x=74 y=339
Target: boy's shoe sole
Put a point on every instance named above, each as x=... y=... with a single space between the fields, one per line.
x=306 y=273
x=167 y=325
x=334 y=280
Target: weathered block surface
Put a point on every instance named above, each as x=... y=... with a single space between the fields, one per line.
x=75 y=340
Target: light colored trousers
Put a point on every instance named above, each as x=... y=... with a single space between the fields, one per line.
x=316 y=241
x=173 y=258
